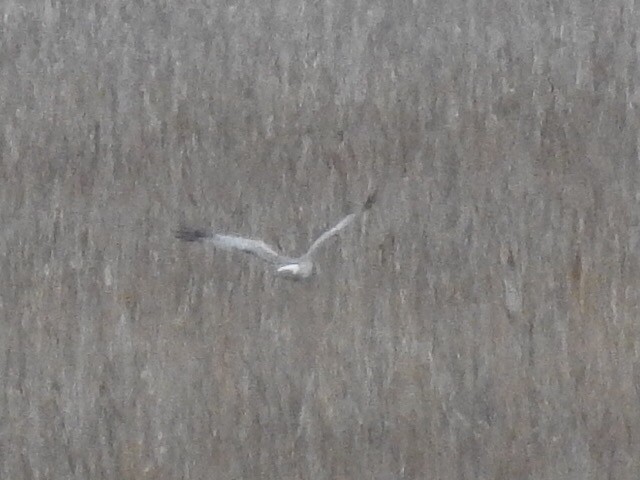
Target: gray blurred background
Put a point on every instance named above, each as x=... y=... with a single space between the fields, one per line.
x=480 y=322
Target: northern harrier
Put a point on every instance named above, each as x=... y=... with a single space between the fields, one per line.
x=290 y=267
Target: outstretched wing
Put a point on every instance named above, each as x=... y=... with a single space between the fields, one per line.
x=232 y=242
x=330 y=233
x=342 y=224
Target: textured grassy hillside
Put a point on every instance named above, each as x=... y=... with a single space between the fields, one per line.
x=482 y=321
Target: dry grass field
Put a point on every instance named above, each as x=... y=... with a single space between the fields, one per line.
x=482 y=321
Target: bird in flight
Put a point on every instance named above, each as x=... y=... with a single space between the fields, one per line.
x=289 y=267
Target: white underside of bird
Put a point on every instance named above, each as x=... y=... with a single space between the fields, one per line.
x=289 y=267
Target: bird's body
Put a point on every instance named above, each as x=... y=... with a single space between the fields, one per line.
x=289 y=267
x=302 y=269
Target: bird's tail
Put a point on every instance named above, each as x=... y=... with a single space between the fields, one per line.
x=192 y=235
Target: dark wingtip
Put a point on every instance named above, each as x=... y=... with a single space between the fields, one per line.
x=191 y=235
x=371 y=199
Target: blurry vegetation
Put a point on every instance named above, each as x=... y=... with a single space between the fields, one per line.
x=482 y=322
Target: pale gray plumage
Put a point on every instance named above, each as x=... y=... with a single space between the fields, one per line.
x=291 y=267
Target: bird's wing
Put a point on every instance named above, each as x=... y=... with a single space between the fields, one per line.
x=233 y=242
x=330 y=233
x=248 y=245
x=342 y=223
